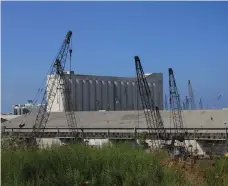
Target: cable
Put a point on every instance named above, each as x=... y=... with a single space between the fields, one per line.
x=70 y=50
x=37 y=95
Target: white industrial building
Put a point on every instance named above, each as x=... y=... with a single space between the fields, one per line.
x=20 y=109
x=91 y=93
x=93 y=120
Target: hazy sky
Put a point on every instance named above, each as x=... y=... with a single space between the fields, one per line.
x=190 y=37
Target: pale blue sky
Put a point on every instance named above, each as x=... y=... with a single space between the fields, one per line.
x=190 y=37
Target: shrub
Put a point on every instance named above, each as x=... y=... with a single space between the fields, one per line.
x=72 y=165
x=117 y=165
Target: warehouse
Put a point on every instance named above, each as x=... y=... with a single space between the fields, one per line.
x=99 y=121
x=91 y=93
x=129 y=119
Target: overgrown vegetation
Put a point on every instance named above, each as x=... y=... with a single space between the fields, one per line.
x=80 y=165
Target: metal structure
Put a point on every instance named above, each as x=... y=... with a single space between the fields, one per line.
x=162 y=131
x=153 y=117
x=57 y=79
x=200 y=104
x=192 y=105
x=176 y=111
x=208 y=134
x=186 y=103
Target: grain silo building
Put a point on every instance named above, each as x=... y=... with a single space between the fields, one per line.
x=91 y=93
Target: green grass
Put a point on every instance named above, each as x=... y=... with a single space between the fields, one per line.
x=72 y=165
x=217 y=174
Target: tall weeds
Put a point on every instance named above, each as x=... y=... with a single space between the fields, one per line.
x=120 y=165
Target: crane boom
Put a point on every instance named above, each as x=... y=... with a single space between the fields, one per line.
x=191 y=96
x=175 y=107
x=184 y=106
x=56 y=77
x=200 y=104
x=68 y=106
x=187 y=103
x=160 y=121
x=153 y=122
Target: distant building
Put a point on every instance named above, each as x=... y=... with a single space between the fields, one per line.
x=20 y=109
x=91 y=93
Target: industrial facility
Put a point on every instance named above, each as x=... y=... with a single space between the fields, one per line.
x=92 y=93
x=119 y=124
x=20 y=109
x=106 y=107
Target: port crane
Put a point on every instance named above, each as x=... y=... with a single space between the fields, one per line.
x=152 y=114
x=176 y=114
x=57 y=79
x=200 y=104
x=191 y=96
x=183 y=105
x=187 y=107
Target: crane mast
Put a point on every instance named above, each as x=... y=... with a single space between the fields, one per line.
x=200 y=104
x=68 y=106
x=160 y=123
x=191 y=96
x=154 y=123
x=175 y=107
x=56 y=78
x=186 y=102
x=184 y=105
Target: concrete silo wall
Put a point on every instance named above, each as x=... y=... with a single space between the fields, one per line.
x=91 y=93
